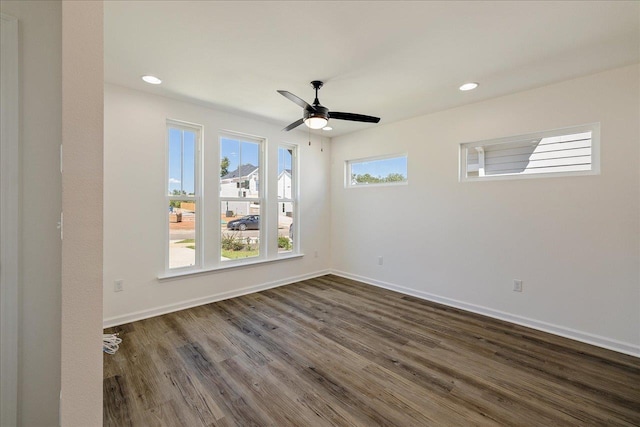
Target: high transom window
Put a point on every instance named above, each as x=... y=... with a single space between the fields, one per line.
x=570 y=151
x=386 y=170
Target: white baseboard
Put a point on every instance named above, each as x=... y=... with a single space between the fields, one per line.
x=599 y=341
x=165 y=309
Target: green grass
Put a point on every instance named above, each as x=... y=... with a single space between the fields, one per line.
x=226 y=253
x=239 y=254
x=187 y=241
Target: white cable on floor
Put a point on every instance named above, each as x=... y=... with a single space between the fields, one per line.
x=110 y=343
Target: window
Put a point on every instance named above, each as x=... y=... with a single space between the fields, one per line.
x=219 y=215
x=241 y=198
x=183 y=194
x=570 y=151
x=388 y=170
x=287 y=195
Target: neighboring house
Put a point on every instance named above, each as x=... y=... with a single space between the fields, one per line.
x=284 y=192
x=244 y=182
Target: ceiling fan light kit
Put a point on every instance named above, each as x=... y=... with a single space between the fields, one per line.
x=317 y=116
x=316 y=122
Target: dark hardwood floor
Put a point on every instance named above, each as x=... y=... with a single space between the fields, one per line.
x=335 y=352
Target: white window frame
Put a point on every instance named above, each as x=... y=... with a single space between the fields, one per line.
x=348 y=165
x=209 y=200
x=197 y=198
x=261 y=199
x=594 y=128
x=293 y=200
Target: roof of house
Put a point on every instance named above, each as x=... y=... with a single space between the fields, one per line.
x=242 y=170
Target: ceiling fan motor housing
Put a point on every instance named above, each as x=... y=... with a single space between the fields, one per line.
x=319 y=111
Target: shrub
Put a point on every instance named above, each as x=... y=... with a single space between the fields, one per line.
x=231 y=242
x=284 y=242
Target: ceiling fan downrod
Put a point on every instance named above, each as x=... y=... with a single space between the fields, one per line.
x=316 y=84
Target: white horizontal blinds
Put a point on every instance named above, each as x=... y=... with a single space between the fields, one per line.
x=561 y=153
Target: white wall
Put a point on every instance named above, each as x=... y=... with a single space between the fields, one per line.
x=574 y=241
x=135 y=208
x=40 y=136
x=82 y=136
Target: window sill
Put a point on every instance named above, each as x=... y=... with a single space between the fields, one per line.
x=378 y=184
x=234 y=265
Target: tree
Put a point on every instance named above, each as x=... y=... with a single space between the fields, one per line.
x=368 y=178
x=176 y=203
x=394 y=177
x=224 y=166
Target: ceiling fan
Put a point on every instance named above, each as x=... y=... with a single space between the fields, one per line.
x=317 y=116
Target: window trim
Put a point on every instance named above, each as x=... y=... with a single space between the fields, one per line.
x=10 y=243
x=295 y=195
x=197 y=197
x=208 y=258
x=347 y=170
x=252 y=262
x=594 y=128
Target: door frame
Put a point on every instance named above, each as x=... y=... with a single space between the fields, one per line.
x=9 y=218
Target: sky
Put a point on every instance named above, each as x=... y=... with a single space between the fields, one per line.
x=381 y=168
x=244 y=152
x=239 y=152
x=182 y=160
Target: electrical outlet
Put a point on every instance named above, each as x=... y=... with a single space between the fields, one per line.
x=118 y=286
x=517 y=285
x=315 y=254
x=380 y=260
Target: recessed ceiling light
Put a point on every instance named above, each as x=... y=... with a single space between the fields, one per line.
x=327 y=128
x=469 y=86
x=152 y=80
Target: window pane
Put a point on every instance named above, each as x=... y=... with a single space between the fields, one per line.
x=380 y=171
x=240 y=230
x=285 y=157
x=175 y=161
x=182 y=233
x=189 y=163
x=182 y=161
x=229 y=156
x=239 y=161
x=554 y=152
x=285 y=227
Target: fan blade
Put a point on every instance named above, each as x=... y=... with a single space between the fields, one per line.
x=353 y=117
x=293 y=125
x=301 y=102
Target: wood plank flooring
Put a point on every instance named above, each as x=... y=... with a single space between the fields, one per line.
x=335 y=352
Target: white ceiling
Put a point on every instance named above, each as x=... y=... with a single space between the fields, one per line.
x=394 y=60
